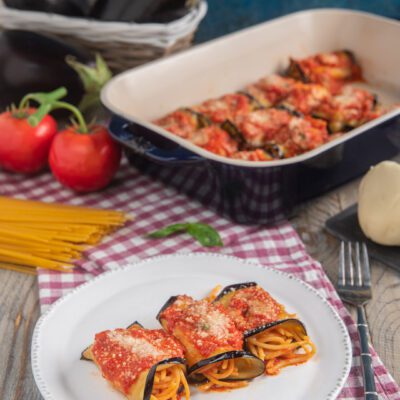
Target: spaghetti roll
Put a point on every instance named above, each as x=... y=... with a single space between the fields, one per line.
x=142 y=364
x=213 y=345
x=269 y=332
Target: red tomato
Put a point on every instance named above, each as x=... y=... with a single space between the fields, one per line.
x=84 y=161
x=24 y=148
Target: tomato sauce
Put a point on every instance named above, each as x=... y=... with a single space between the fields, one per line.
x=123 y=354
x=253 y=307
x=208 y=327
x=296 y=135
x=216 y=140
x=271 y=90
x=226 y=107
x=181 y=123
x=308 y=98
x=331 y=70
x=352 y=107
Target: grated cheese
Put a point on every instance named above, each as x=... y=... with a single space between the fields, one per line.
x=139 y=346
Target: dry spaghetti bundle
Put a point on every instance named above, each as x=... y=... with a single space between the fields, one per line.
x=50 y=235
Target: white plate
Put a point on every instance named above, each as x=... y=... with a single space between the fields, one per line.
x=138 y=291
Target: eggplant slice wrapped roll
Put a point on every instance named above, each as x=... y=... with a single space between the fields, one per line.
x=271 y=90
x=280 y=127
x=183 y=122
x=270 y=333
x=351 y=108
x=227 y=107
x=213 y=345
x=331 y=70
x=142 y=364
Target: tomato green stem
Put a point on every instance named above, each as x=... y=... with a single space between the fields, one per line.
x=45 y=100
x=74 y=110
x=42 y=97
x=49 y=102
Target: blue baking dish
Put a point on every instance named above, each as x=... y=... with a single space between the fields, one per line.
x=256 y=192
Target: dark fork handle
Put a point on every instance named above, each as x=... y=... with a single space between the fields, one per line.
x=368 y=372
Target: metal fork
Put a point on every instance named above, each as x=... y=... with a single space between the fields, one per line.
x=354 y=287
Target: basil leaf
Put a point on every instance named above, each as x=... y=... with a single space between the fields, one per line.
x=168 y=231
x=203 y=233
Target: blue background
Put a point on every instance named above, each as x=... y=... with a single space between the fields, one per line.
x=226 y=16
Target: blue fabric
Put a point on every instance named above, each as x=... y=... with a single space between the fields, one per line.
x=226 y=16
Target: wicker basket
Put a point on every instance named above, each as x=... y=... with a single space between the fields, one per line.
x=123 y=45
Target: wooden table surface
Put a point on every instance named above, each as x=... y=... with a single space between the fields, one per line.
x=19 y=304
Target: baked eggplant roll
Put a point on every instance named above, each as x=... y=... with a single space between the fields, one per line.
x=227 y=107
x=348 y=109
x=270 y=333
x=331 y=70
x=213 y=345
x=143 y=364
x=292 y=133
x=183 y=122
x=351 y=108
x=215 y=139
x=308 y=99
x=271 y=90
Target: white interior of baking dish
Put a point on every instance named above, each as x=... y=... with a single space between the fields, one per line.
x=229 y=63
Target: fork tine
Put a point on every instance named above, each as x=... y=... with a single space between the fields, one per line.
x=349 y=267
x=365 y=266
x=358 y=265
x=341 y=277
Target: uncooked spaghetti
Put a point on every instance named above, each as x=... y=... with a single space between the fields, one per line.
x=50 y=235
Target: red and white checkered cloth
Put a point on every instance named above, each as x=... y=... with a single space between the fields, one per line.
x=156 y=206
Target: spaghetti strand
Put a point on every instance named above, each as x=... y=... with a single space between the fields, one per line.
x=168 y=380
x=217 y=375
x=50 y=235
x=281 y=347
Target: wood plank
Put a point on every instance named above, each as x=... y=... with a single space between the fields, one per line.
x=19 y=310
x=383 y=312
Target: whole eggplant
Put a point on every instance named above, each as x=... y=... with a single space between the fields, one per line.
x=141 y=11
x=30 y=62
x=76 y=8
x=170 y=10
